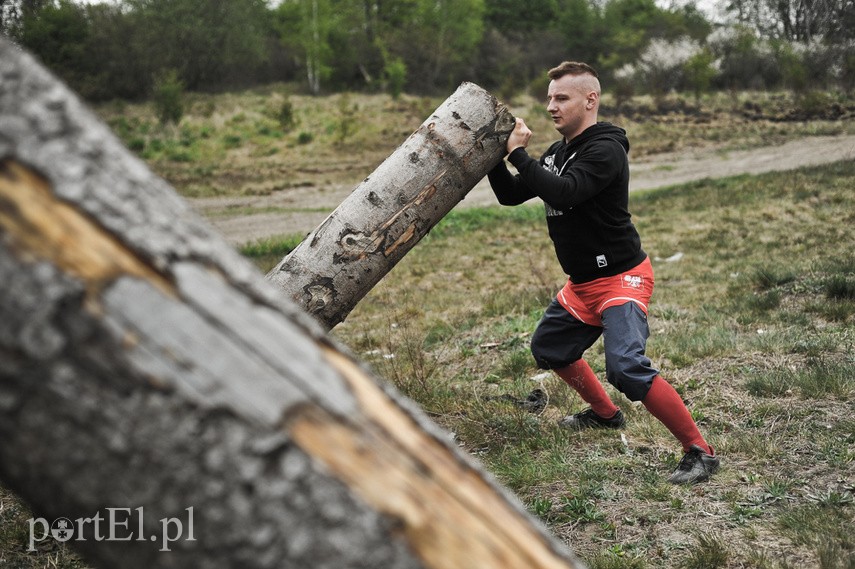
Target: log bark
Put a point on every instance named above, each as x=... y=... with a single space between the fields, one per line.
x=397 y=205
x=148 y=368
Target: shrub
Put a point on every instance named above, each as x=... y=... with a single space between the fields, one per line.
x=699 y=72
x=286 y=115
x=794 y=74
x=396 y=76
x=345 y=125
x=745 y=61
x=623 y=88
x=168 y=96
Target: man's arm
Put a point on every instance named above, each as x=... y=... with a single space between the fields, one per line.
x=591 y=172
x=509 y=189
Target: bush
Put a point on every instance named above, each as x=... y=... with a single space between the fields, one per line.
x=794 y=73
x=396 y=76
x=286 y=115
x=345 y=125
x=744 y=60
x=168 y=97
x=699 y=72
x=623 y=87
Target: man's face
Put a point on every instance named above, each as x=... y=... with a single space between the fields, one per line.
x=567 y=102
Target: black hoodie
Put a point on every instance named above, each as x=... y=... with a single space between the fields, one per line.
x=585 y=185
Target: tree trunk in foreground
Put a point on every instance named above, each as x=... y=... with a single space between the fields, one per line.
x=149 y=373
x=392 y=209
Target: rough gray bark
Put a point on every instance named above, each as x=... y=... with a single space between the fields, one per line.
x=145 y=364
x=397 y=205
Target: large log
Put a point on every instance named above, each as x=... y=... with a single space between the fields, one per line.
x=397 y=205
x=148 y=372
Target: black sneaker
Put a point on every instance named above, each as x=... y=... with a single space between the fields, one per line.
x=696 y=466
x=587 y=419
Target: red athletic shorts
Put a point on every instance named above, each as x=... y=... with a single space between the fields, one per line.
x=587 y=301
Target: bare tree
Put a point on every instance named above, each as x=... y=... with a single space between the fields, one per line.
x=148 y=371
x=798 y=20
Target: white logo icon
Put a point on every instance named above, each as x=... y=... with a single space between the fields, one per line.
x=601 y=261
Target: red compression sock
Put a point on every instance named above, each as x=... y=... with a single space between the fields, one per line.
x=581 y=377
x=665 y=404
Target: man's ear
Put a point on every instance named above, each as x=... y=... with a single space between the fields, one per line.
x=592 y=100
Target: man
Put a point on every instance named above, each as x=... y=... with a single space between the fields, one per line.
x=584 y=181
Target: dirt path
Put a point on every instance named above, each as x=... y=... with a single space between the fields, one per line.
x=247 y=218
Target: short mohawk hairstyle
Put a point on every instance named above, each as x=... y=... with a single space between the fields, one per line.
x=571 y=68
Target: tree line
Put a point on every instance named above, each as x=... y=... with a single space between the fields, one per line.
x=122 y=49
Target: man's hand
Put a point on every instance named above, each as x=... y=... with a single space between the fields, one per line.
x=519 y=137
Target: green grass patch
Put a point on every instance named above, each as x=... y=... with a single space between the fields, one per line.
x=813 y=380
x=461 y=221
x=266 y=253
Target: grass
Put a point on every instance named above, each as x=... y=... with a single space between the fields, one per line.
x=753 y=325
x=269 y=251
x=236 y=144
x=15 y=536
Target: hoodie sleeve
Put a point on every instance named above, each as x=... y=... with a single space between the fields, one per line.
x=509 y=189
x=593 y=170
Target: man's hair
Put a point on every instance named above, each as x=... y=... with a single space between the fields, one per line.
x=571 y=68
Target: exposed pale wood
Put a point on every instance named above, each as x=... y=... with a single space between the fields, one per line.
x=397 y=205
x=145 y=364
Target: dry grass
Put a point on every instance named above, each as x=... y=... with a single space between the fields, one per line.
x=770 y=382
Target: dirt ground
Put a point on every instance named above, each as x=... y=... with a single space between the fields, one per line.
x=245 y=219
